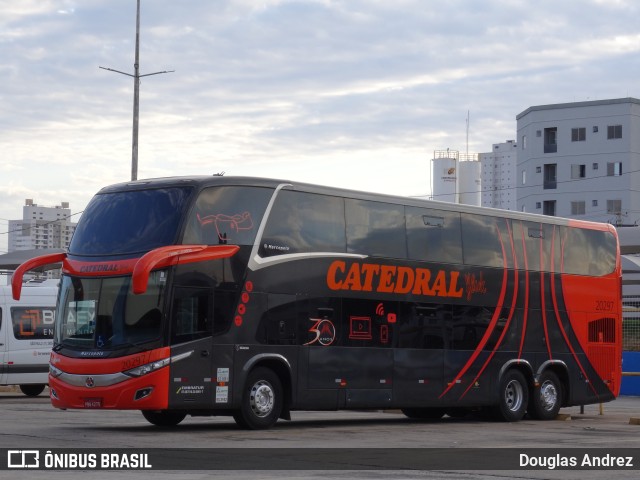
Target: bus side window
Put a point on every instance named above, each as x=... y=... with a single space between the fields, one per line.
x=468 y=326
x=595 y=245
x=481 y=240
x=376 y=228
x=191 y=314
x=434 y=235
x=226 y=214
x=423 y=327
x=303 y=222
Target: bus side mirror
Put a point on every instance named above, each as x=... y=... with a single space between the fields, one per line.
x=32 y=264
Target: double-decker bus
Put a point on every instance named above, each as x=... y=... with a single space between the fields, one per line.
x=257 y=297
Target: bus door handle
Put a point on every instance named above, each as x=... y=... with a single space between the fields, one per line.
x=204 y=353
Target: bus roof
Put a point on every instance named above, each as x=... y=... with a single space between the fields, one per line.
x=203 y=181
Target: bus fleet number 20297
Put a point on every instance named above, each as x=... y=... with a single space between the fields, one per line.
x=255 y=297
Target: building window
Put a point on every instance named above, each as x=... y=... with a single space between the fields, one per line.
x=577 y=208
x=614 y=169
x=524 y=177
x=550 y=177
x=594 y=203
x=538 y=169
x=595 y=129
x=524 y=142
x=538 y=133
x=578 y=134
x=614 y=131
x=578 y=171
x=550 y=140
x=538 y=205
x=595 y=166
x=614 y=206
x=549 y=207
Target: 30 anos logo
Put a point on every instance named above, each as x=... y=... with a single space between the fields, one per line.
x=23 y=459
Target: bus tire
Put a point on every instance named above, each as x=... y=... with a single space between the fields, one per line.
x=513 y=396
x=546 y=398
x=262 y=400
x=164 y=418
x=32 y=390
x=424 y=413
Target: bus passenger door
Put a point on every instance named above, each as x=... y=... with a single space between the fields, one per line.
x=191 y=328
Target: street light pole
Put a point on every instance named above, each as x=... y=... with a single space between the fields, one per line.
x=136 y=95
x=136 y=100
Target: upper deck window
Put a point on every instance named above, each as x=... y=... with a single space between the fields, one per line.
x=227 y=215
x=129 y=222
x=375 y=228
x=303 y=222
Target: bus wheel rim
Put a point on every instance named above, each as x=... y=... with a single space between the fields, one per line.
x=513 y=396
x=262 y=398
x=548 y=395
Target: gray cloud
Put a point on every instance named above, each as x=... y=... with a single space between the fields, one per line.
x=329 y=91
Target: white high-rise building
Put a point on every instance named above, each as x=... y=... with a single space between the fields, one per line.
x=498 y=170
x=581 y=160
x=41 y=227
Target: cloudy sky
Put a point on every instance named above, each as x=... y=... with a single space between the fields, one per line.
x=350 y=93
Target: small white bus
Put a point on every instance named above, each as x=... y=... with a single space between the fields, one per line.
x=26 y=335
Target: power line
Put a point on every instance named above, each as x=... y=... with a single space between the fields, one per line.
x=43 y=224
x=559 y=182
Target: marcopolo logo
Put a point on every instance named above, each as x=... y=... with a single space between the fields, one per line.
x=23 y=459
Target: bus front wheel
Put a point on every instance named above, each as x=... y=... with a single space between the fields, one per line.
x=32 y=390
x=261 y=400
x=514 y=397
x=164 y=418
x=546 y=398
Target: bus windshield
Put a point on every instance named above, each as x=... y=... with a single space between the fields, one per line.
x=103 y=313
x=130 y=222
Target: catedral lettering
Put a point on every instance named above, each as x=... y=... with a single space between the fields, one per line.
x=254 y=298
x=371 y=277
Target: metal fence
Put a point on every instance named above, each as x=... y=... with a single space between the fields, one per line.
x=631 y=323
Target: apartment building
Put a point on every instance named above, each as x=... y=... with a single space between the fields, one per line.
x=580 y=160
x=498 y=171
x=41 y=227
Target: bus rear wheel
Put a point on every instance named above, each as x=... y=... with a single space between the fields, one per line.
x=32 y=390
x=164 y=418
x=513 y=397
x=546 y=398
x=261 y=400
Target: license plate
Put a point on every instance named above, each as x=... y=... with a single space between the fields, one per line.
x=93 y=402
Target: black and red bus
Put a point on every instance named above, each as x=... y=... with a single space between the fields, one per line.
x=257 y=297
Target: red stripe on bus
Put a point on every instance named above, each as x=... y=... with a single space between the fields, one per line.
x=543 y=307
x=559 y=320
x=526 y=293
x=511 y=312
x=492 y=324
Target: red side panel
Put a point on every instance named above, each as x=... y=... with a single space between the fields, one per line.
x=595 y=312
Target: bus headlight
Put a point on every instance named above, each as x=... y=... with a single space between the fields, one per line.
x=148 y=368
x=54 y=372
